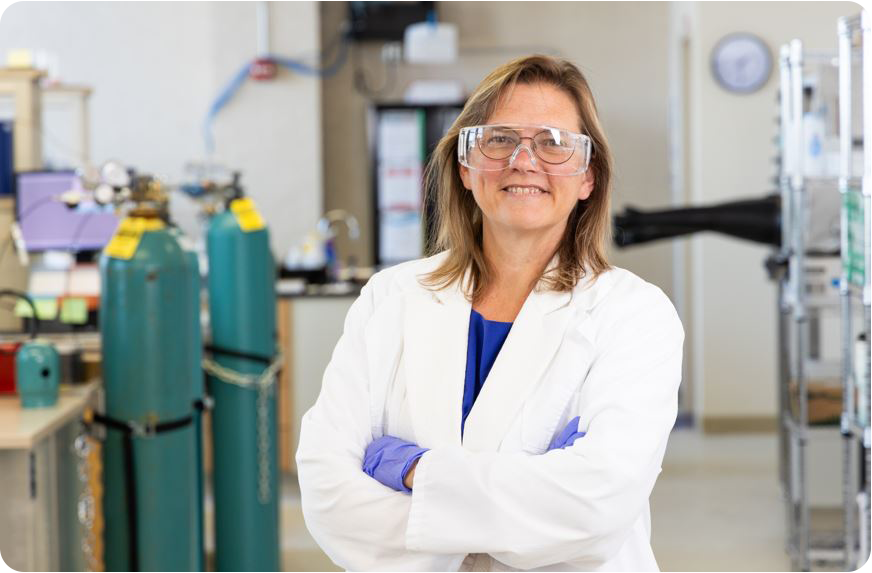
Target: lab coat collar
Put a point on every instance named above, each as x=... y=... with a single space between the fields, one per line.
x=435 y=339
x=586 y=294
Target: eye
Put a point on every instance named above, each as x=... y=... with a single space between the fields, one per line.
x=552 y=138
x=499 y=140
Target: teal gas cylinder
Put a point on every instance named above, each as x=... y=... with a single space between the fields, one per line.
x=196 y=374
x=37 y=372
x=242 y=309
x=151 y=361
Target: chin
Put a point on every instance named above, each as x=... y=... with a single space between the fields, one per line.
x=526 y=223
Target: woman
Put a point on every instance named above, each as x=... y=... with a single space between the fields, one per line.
x=504 y=404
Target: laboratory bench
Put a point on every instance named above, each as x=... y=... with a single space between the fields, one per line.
x=49 y=483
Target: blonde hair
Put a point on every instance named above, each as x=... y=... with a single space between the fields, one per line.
x=456 y=216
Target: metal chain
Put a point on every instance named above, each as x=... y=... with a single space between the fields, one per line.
x=86 y=508
x=264 y=392
x=264 y=384
x=231 y=376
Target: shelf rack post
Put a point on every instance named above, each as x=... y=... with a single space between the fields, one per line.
x=847 y=190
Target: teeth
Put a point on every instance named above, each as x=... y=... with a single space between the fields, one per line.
x=524 y=190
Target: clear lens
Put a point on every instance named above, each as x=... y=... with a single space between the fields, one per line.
x=498 y=142
x=554 y=146
x=495 y=147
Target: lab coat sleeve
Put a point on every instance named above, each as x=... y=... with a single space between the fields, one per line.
x=358 y=522
x=577 y=504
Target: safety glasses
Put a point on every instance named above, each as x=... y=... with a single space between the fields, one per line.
x=495 y=147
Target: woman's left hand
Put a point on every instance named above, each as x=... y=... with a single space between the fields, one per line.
x=391 y=461
x=409 y=480
x=568 y=436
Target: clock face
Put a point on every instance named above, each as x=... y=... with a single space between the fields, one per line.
x=741 y=63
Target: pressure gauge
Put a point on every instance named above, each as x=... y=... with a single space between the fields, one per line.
x=104 y=194
x=115 y=174
x=741 y=63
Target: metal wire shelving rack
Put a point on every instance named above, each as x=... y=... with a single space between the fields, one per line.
x=803 y=182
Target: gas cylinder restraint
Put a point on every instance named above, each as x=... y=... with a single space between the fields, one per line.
x=212 y=349
x=264 y=384
x=130 y=429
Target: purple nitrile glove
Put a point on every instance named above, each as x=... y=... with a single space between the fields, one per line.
x=388 y=459
x=567 y=437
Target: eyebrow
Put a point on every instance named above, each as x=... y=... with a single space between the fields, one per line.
x=542 y=128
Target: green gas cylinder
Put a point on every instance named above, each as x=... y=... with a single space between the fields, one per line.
x=196 y=374
x=242 y=309
x=151 y=358
x=37 y=372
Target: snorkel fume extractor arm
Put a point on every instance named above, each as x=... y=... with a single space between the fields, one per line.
x=757 y=220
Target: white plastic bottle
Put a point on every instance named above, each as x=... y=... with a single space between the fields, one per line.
x=814 y=161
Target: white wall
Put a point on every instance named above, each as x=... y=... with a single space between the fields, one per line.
x=155 y=68
x=273 y=130
x=731 y=156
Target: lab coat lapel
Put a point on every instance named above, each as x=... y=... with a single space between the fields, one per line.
x=532 y=342
x=434 y=357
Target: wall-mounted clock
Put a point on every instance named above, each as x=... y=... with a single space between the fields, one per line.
x=741 y=63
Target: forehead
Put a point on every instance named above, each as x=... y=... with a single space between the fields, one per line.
x=537 y=104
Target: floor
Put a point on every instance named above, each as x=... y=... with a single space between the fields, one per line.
x=716 y=507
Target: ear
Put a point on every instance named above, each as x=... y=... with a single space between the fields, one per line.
x=464 y=176
x=587 y=184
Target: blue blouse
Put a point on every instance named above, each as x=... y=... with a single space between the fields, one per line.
x=486 y=337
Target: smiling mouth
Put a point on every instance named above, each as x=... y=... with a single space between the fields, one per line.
x=518 y=190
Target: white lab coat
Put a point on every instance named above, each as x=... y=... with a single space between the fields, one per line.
x=609 y=352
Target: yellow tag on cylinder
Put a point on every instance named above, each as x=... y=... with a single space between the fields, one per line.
x=246 y=215
x=127 y=236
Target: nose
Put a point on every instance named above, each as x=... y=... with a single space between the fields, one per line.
x=527 y=164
